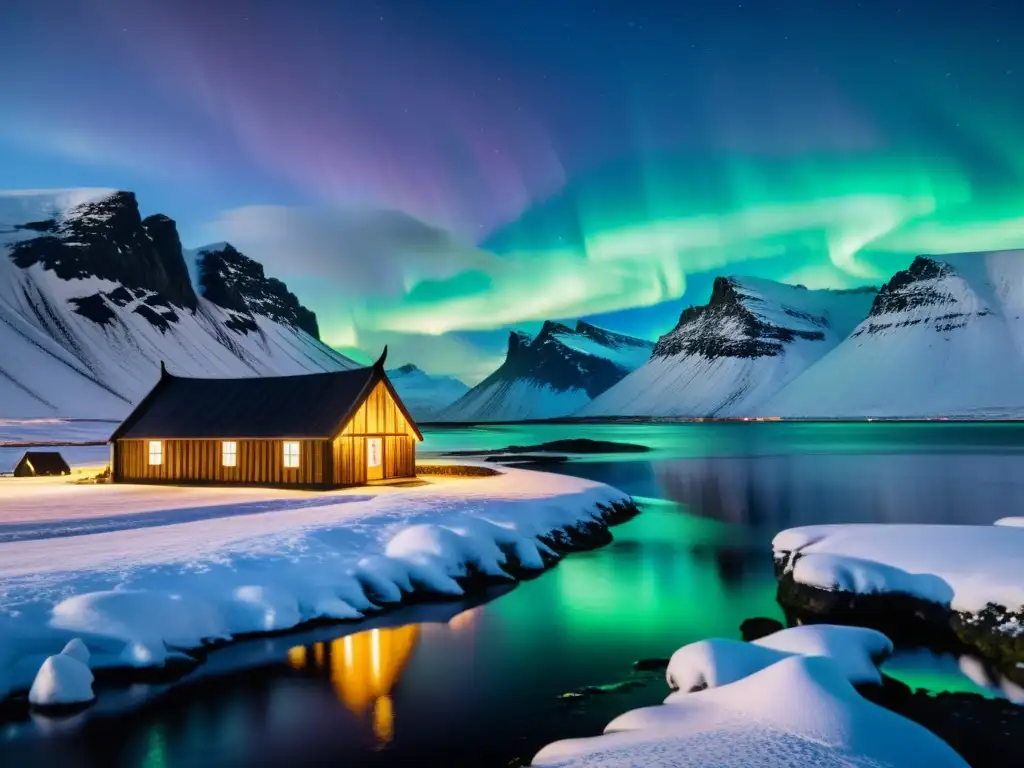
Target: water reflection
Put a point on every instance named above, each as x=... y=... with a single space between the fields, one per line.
x=768 y=493
x=363 y=669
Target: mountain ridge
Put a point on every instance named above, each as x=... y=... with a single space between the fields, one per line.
x=551 y=374
x=93 y=296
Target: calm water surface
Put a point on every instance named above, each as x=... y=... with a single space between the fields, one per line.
x=480 y=684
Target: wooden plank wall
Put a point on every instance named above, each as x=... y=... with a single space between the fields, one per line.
x=378 y=416
x=259 y=462
x=350 y=460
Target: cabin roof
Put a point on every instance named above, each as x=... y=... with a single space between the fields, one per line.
x=314 y=405
x=45 y=462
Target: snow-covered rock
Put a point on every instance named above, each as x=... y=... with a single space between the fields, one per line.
x=93 y=297
x=76 y=649
x=423 y=394
x=550 y=375
x=712 y=663
x=63 y=680
x=943 y=338
x=731 y=355
x=143 y=574
x=798 y=711
x=966 y=580
x=963 y=567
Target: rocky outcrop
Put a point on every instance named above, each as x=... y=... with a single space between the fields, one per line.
x=992 y=633
x=729 y=326
x=551 y=374
x=108 y=239
x=235 y=282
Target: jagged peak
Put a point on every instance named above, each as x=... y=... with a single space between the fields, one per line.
x=236 y=282
x=552 y=327
x=408 y=368
x=517 y=340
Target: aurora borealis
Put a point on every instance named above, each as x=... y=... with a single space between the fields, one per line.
x=428 y=173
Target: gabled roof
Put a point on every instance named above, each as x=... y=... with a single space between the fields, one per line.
x=44 y=463
x=314 y=405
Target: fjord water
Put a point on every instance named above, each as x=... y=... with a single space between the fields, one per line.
x=483 y=682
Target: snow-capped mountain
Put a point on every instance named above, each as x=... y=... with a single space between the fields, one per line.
x=550 y=375
x=729 y=356
x=943 y=338
x=93 y=297
x=423 y=394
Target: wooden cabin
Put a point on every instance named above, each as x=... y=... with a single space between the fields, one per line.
x=318 y=430
x=41 y=464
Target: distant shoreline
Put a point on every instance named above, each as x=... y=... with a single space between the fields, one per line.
x=732 y=420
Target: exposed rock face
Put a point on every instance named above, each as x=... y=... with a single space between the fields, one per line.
x=164 y=234
x=912 y=291
x=728 y=357
x=235 y=282
x=728 y=327
x=93 y=298
x=109 y=240
x=552 y=374
x=553 y=358
x=944 y=338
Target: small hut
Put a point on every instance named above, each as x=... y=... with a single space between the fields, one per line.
x=41 y=464
x=317 y=430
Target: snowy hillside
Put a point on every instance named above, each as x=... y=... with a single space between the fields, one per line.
x=425 y=395
x=551 y=375
x=728 y=357
x=93 y=297
x=944 y=338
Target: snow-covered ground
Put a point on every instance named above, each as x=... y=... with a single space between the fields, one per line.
x=764 y=709
x=964 y=567
x=141 y=574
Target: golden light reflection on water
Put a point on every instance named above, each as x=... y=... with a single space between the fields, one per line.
x=363 y=669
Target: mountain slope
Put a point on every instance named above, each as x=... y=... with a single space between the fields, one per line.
x=551 y=375
x=943 y=338
x=93 y=297
x=425 y=395
x=728 y=357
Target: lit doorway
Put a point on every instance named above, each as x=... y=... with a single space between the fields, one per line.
x=374 y=458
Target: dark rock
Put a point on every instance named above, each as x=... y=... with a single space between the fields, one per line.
x=726 y=327
x=907 y=619
x=94 y=308
x=575 y=445
x=986 y=732
x=650 y=665
x=108 y=239
x=178 y=285
x=545 y=359
x=235 y=282
x=914 y=288
x=758 y=627
x=526 y=459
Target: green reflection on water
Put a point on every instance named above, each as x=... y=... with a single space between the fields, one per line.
x=656 y=587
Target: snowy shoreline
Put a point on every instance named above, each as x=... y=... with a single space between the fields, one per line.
x=174 y=572
x=957 y=586
x=788 y=698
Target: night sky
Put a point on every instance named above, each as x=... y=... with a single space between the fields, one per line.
x=428 y=173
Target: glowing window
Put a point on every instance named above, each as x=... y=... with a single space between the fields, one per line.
x=291 y=455
x=156 y=453
x=229 y=453
x=373 y=452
